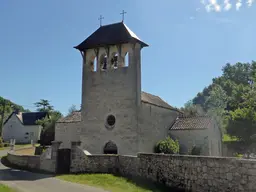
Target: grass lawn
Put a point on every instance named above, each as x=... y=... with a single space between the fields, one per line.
x=227 y=137
x=17 y=146
x=4 y=188
x=113 y=183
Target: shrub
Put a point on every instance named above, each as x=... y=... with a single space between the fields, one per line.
x=167 y=146
x=1 y=142
x=6 y=144
x=196 y=150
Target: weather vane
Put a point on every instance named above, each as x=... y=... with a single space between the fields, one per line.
x=100 y=19
x=123 y=13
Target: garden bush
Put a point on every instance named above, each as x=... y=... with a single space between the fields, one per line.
x=167 y=146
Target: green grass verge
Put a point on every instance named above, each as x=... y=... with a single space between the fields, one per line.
x=4 y=188
x=114 y=183
x=227 y=137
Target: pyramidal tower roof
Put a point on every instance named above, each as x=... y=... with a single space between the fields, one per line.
x=113 y=34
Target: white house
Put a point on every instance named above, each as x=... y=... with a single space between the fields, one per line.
x=22 y=127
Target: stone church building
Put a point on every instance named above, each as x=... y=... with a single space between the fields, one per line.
x=116 y=116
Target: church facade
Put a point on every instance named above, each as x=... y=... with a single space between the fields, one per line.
x=116 y=116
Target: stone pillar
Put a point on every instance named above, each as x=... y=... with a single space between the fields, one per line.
x=74 y=145
x=54 y=153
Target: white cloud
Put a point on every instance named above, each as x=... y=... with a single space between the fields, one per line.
x=238 y=4
x=227 y=5
x=250 y=2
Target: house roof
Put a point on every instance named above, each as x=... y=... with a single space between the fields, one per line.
x=28 y=118
x=113 y=34
x=145 y=97
x=155 y=100
x=73 y=117
x=192 y=123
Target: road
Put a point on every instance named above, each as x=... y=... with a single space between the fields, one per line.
x=24 y=181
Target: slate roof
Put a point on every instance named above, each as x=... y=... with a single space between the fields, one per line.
x=113 y=34
x=73 y=117
x=29 y=118
x=192 y=123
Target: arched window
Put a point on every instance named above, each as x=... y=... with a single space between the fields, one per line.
x=114 y=60
x=93 y=63
x=110 y=148
x=103 y=61
x=126 y=60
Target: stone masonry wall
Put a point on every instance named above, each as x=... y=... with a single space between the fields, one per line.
x=46 y=162
x=31 y=162
x=194 y=173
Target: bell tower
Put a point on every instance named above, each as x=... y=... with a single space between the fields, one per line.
x=111 y=89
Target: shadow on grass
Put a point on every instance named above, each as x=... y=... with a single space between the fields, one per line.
x=14 y=172
x=136 y=181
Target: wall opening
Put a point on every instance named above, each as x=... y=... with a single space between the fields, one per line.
x=93 y=64
x=126 y=60
x=103 y=62
x=110 y=148
x=114 y=60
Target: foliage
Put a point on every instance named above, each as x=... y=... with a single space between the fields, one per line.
x=231 y=99
x=44 y=106
x=48 y=123
x=167 y=146
x=6 y=108
x=196 y=150
x=4 y=188
x=227 y=138
x=238 y=155
x=1 y=143
x=72 y=109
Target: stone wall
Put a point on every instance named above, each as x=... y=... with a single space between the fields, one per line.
x=46 y=162
x=67 y=132
x=154 y=124
x=196 y=173
x=28 y=161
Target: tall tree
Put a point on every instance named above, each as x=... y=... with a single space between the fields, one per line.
x=48 y=123
x=44 y=106
x=230 y=98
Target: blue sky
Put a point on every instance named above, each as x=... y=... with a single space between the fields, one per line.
x=190 y=41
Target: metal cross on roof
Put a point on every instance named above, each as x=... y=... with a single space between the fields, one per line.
x=123 y=13
x=100 y=19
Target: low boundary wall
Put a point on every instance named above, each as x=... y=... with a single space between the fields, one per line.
x=192 y=173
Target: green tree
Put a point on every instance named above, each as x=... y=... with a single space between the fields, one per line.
x=44 y=106
x=228 y=94
x=192 y=110
x=48 y=123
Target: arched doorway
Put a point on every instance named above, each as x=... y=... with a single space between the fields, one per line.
x=110 y=148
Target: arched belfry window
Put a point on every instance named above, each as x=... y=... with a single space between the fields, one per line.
x=126 y=60
x=103 y=61
x=114 y=60
x=93 y=63
x=110 y=148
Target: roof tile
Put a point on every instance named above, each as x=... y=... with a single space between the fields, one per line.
x=197 y=122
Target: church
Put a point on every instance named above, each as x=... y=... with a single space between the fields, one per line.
x=116 y=116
